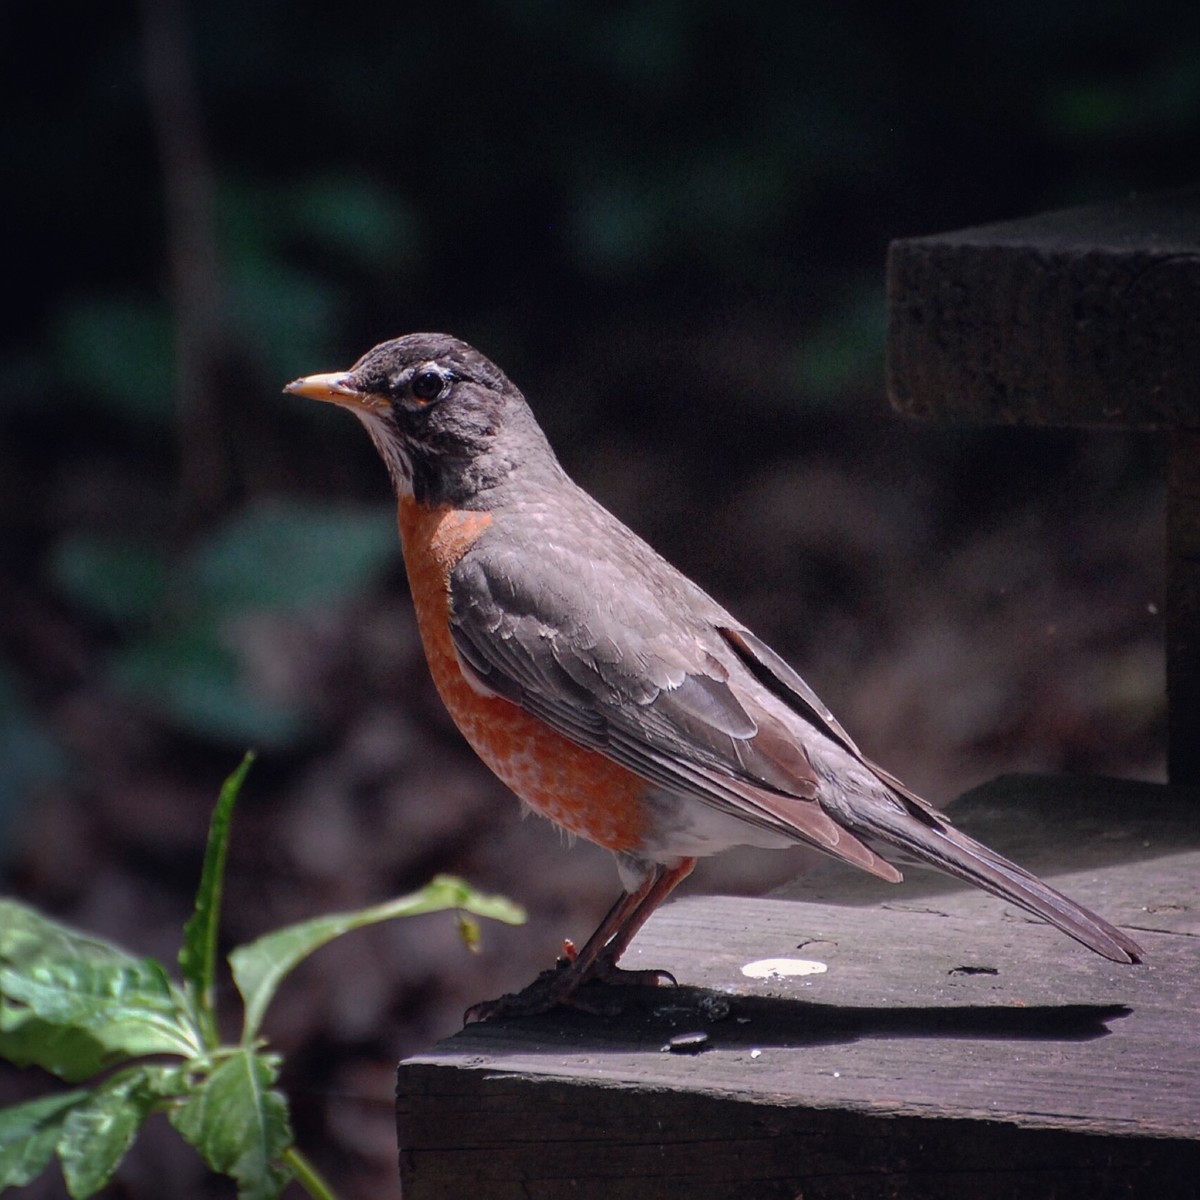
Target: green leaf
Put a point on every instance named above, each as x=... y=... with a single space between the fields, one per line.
x=28 y=1134
x=70 y=1053
x=292 y=556
x=131 y=1009
x=98 y=1131
x=239 y=1123
x=60 y=977
x=198 y=956
x=122 y=581
x=63 y=1032
x=260 y=967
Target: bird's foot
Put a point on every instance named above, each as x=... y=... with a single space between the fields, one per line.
x=561 y=986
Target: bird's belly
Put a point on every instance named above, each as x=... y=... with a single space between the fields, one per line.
x=578 y=789
x=679 y=826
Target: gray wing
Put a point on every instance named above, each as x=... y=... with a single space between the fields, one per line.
x=600 y=654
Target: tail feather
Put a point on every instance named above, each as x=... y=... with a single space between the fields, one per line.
x=925 y=834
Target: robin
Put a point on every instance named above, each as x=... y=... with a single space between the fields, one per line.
x=605 y=688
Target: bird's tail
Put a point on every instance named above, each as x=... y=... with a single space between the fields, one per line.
x=912 y=826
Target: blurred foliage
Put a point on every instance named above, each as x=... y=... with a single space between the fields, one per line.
x=536 y=177
x=115 y=351
x=177 y=615
x=123 y=582
x=29 y=754
x=845 y=350
x=289 y=556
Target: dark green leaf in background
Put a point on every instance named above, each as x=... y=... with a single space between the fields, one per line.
x=29 y=756
x=191 y=677
x=289 y=555
x=117 y=353
x=845 y=352
x=121 y=580
x=272 y=308
x=360 y=220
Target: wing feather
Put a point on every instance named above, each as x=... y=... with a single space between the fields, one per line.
x=616 y=674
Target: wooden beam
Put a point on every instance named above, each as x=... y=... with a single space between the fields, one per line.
x=1085 y=317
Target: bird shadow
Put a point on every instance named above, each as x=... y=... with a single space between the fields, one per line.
x=693 y=1020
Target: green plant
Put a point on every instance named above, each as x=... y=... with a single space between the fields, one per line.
x=85 y=1009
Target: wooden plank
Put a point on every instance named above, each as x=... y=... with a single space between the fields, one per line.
x=951 y=1047
x=1086 y=316
x=533 y=1139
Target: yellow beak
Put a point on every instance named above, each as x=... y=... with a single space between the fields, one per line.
x=334 y=389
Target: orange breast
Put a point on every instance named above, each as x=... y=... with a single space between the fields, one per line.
x=577 y=788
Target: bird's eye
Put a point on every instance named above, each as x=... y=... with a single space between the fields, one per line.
x=427 y=384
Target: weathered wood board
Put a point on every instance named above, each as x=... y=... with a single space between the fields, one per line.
x=951 y=1047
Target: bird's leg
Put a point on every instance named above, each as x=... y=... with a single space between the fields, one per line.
x=597 y=961
x=618 y=929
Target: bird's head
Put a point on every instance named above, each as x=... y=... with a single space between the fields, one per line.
x=447 y=421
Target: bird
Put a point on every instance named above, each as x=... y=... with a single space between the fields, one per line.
x=611 y=693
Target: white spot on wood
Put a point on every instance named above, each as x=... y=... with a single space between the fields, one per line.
x=781 y=968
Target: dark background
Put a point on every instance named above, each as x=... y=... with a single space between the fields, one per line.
x=668 y=222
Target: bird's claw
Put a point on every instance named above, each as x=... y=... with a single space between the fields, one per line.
x=561 y=986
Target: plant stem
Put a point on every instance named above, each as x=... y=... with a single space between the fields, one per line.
x=307 y=1176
